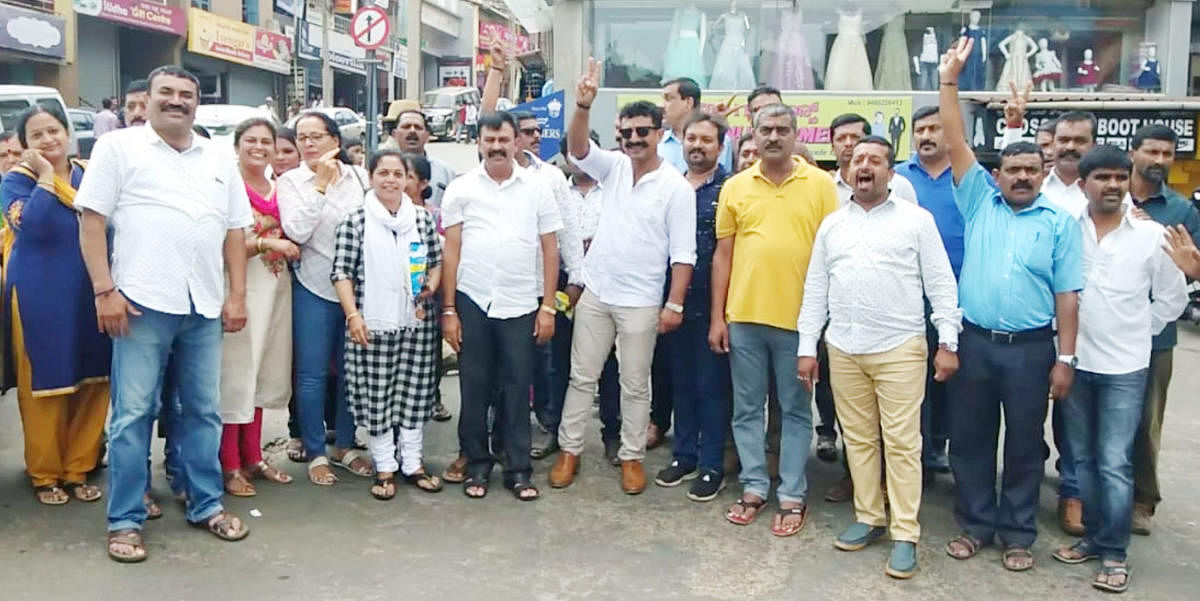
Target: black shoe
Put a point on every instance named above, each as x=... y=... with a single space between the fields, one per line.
x=440 y=412
x=676 y=474
x=707 y=486
x=545 y=443
x=611 y=448
x=938 y=462
x=827 y=448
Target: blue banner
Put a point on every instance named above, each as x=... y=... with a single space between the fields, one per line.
x=551 y=118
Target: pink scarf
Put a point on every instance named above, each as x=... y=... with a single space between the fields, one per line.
x=266 y=206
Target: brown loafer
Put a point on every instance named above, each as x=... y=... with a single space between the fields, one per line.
x=564 y=470
x=633 y=477
x=1070 y=516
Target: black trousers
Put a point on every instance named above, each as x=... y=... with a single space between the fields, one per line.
x=662 y=405
x=497 y=354
x=994 y=376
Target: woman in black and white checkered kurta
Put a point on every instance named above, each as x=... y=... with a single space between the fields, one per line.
x=391 y=383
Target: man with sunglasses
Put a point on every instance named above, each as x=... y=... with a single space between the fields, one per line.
x=648 y=222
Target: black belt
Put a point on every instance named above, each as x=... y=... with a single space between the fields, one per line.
x=1036 y=335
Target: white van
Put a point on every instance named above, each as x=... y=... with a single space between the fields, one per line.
x=15 y=99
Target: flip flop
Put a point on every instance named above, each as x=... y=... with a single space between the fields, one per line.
x=783 y=530
x=740 y=518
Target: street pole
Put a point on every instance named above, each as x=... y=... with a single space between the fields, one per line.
x=326 y=66
x=372 y=102
x=412 y=83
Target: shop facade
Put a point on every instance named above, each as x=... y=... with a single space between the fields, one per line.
x=33 y=45
x=237 y=63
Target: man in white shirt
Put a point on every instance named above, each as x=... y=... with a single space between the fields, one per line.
x=177 y=206
x=1074 y=136
x=874 y=262
x=648 y=222
x=105 y=119
x=496 y=217
x=844 y=133
x=1132 y=291
x=409 y=132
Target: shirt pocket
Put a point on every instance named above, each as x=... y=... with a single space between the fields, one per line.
x=1035 y=247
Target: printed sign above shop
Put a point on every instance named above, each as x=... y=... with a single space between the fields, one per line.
x=515 y=43
x=1115 y=127
x=237 y=42
x=32 y=32
x=137 y=13
x=888 y=116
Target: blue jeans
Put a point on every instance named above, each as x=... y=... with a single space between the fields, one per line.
x=1068 y=485
x=701 y=390
x=551 y=374
x=139 y=362
x=1102 y=415
x=321 y=348
x=753 y=347
x=168 y=428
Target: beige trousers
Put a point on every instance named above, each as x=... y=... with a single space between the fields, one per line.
x=878 y=399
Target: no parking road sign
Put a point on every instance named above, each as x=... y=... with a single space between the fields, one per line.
x=369 y=27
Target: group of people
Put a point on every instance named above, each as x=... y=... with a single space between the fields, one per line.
x=720 y=283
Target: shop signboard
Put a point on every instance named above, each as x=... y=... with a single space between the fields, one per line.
x=343 y=54
x=551 y=118
x=1114 y=127
x=237 y=42
x=516 y=44
x=888 y=115
x=144 y=14
x=32 y=32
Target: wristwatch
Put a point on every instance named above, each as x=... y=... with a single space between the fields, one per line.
x=1070 y=360
x=676 y=307
x=949 y=346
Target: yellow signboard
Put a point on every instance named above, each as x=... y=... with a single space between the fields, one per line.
x=217 y=36
x=888 y=116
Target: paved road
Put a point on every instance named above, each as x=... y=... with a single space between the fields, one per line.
x=588 y=542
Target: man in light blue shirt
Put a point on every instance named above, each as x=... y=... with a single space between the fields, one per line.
x=1022 y=270
x=681 y=98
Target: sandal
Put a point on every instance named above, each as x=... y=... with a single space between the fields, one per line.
x=441 y=413
x=518 y=489
x=265 y=471
x=83 y=491
x=225 y=526
x=346 y=462
x=969 y=544
x=1108 y=571
x=422 y=480
x=52 y=495
x=479 y=484
x=1075 y=554
x=153 y=511
x=325 y=479
x=456 y=472
x=296 y=452
x=1014 y=559
x=386 y=488
x=129 y=538
x=781 y=529
x=237 y=485
x=740 y=518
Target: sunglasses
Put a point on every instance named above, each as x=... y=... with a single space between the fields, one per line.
x=531 y=131
x=642 y=132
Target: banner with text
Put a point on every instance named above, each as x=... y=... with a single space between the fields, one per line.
x=237 y=42
x=145 y=14
x=1115 y=127
x=888 y=116
x=549 y=113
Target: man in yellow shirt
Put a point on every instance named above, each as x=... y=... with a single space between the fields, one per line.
x=767 y=219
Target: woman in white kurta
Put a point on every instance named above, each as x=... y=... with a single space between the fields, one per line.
x=256 y=363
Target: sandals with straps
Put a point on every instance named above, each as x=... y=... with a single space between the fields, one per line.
x=741 y=518
x=523 y=485
x=387 y=486
x=82 y=491
x=969 y=543
x=424 y=481
x=1105 y=572
x=265 y=471
x=225 y=526
x=476 y=483
x=237 y=485
x=130 y=538
x=1013 y=555
x=52 y=495
x=347 y=463
x=1075 y=554
x=321 y=461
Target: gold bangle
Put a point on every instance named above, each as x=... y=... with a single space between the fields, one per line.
x=260 y=246
x=352 y=316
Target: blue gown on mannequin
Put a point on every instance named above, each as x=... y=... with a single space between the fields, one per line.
x=974 y=73
x=684 y=58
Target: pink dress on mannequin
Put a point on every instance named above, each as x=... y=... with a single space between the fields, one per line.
x=792 y=68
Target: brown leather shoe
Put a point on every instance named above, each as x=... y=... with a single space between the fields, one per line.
x=564 y=470
x=1070 y=516
x=633 y=477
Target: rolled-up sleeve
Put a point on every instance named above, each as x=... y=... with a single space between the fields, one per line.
x=681 y=225
x=346 y=248
x=600 y=164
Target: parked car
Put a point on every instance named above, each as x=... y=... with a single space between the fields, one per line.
x=221 y=119
x=14 y=99
x=352 y=125
x=83 y=120
x=441 y=108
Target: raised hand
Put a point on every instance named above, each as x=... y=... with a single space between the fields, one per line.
x=1014 y=109
x=499 y=56
x=589 y=84
x=954 y=59
x=37 y=163
x=728 y=107
x=1182 y=249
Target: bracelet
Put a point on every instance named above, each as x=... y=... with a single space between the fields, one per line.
x=320 y=191
x=548 y=310
x=949 y=84
x=105 y=292
x=352 y=316
x=260 y=246
x=586 y=107
x=449 y=312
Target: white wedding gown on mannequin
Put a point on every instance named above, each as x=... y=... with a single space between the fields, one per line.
x=732 y=69
x=848 y=68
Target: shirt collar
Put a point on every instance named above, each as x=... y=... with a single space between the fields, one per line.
x=152 y=137
x=890 y=200
x=1054 y=179
x=717 y=175
x=1159 y=196
x=800 y=169
x=670 y=138
x=518 y=175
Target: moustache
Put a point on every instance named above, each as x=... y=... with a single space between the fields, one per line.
x=927 y=144
x=636 y=145
x=175 y=108
x=413 y=138
x=497 y=153
x=1022 y=185
x=1069 y=154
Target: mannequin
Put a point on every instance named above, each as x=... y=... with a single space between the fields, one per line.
x=1148 y=79
x=925 y=65
x=1048 y=69
x=792 y=68
x=684 y=56
x=1088 y=73
x=1016 y=48
x=848 y=68
x=891 y=71
x=732 y=69
x=974 y=73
